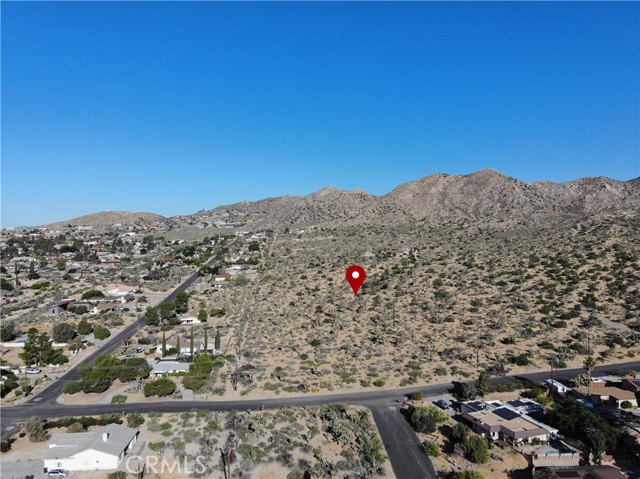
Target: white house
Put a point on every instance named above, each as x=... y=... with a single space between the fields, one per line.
x=102 y=449
x=189 y=320
x=559 y=388
x=162 y=368
x=507 y=420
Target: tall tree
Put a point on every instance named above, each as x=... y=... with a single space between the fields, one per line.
x=482 y=384
x=178 y=345
x=164 y=344
x=206 y=340
x=32 y=271
x=151 y=317
x=217 y=341
x=191 y=343
x=182 y=302
x=589 y=364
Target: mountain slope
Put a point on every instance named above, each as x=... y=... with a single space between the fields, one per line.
x=485 y=194
x=110 y=218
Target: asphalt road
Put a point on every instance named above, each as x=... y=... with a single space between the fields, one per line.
x=403 y=447
x=401 y=443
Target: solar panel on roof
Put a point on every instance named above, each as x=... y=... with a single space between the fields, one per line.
x=505 y=413
x=517 y=403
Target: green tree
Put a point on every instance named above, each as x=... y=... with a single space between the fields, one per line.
x=160 y=387
x=626 y=405
x=459 y=433
x=38 y=350
x=5 y=285
x=92 y=293
x=206 y=340
x=151 y=317
x=254 y=247
x=182 y=302
x=589 y=364
x=61 y=264
x=476 y=449
x=425 y=419
x=191 y=343
x=217 y=341
x=466 y=391
x=8 y=331
x=167 y=310
x=164 y=344
x=34 y=428
x=100 y=332
x=84 y=327
x=482 y=384
x=32 y=271
x=202 y=315
x=63 y=333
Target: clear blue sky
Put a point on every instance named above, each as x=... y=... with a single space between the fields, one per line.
x=175 y=107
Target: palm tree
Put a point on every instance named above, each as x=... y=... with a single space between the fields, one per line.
x=589 y=364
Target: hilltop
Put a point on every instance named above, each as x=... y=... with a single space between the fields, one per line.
x=485 y=194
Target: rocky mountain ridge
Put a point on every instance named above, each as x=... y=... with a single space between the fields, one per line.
x=482 y=194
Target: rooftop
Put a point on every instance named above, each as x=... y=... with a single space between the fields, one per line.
x=69 y=444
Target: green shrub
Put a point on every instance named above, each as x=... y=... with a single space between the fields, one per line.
x=119 y=399
x=100 y=332
x=134 y=420
x=441 y=371
x=75 y=427
x=432 y=449
x=160 y=387
x=425 y=419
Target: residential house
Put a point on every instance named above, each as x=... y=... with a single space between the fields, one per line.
x=557 y=387
x=56 y=310
x=507 y=421
x=186 y=320
x=102 y=449
x=631 y=385
x=606 y=396
x=162 y=368
x=105 y=307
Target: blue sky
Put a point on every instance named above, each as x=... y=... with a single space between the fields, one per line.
x=176 y=107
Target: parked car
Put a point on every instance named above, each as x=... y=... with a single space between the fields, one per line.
x=130 y=356
x=33 y=371
x=139 y=350
x=443 y=403
x=58 y=473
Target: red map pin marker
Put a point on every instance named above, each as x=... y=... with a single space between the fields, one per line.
x=355 y=277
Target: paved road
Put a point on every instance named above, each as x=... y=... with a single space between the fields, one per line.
x=403 y=447
x=401 y=443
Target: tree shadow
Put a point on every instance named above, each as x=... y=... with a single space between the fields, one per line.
x=519 y=474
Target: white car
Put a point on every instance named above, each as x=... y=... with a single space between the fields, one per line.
x=58 y=473
x=33 y=371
